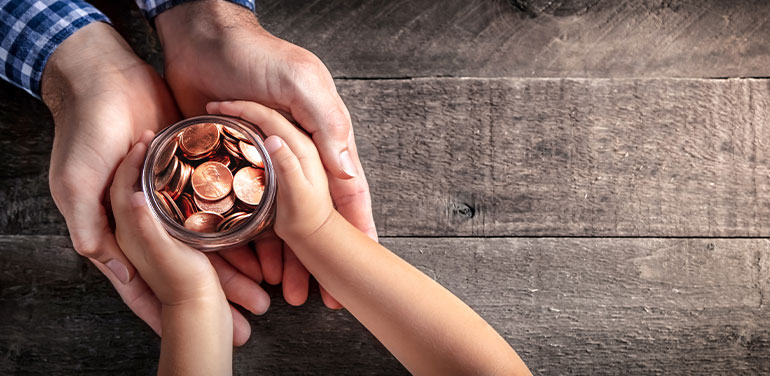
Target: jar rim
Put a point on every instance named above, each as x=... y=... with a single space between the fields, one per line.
x=260 y=219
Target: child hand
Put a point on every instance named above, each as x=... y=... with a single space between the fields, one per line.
x=175 y=272
x=303 y=201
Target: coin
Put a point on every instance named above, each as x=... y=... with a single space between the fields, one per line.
x=233 y=220
x=249 y=185
x=212 y=180
x=237 y=221
x=186 y=205
x=224 y=159
x=198 y=140
x=164 y=177
x=251 y=153
x=165 y=155
x=220 y=206
x=232 y=149
x=172 y=205
x=180 y=180
x=233 y=134
x=203 y=221
x=205 y=198
x=164 y=205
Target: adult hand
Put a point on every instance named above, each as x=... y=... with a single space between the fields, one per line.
x=103 y=98
x=215 y=50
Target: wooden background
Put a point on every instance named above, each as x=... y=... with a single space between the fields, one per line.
x=591 y=176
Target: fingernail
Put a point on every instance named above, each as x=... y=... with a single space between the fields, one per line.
x=138 y=200
x=118 y=269
x=347 y=164
x=272 y=144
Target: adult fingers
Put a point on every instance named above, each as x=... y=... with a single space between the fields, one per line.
x=238 y=288
x=241 y=327
x=270 y=251
x=320 y=110
x=352 y=199
x=245 y=260
x=296 y=278
x=328 y=299
x=137 y=296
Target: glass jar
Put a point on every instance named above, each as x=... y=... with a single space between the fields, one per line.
x=213 y=162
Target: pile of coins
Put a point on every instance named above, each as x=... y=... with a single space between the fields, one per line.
x=209 y=178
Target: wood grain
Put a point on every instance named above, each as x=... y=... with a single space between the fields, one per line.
x=519 y=38
x=584 y=306
x=529 y=38
x=512 y=157
x=542 y=157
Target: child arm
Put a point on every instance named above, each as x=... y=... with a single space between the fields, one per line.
x=424 y=325
x=196 y=318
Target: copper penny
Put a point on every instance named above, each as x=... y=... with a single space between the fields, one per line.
x=237 y=221
x=164 y=205
x=212 y=180
x=220 y=206
x=249 y=185
x=224 y=159
x=231 y=220
x=251 y=153
x=232 y=149
x=164 y=177
x=180 y=180
x=203 y=221
x=234 y=134
x=165 y=155
x=199 y=139
x=178 y=216
x=186 y=205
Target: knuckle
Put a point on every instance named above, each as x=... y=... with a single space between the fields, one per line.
x=337 y=124
x=61 y=182
x=86 y=246
x=288 y=163
x=307 y=64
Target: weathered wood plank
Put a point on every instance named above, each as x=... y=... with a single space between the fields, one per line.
x=658 y=157
x=529 y=38
x=584 y=306
x=522 y=38
x=545 y=157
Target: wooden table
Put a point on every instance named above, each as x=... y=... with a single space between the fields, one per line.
x=591 y=176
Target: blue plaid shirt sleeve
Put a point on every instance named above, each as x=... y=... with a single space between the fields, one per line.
x=30 y=30
x=152 y=8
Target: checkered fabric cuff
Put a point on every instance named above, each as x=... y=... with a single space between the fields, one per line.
x=30 y=31
x=152 y=8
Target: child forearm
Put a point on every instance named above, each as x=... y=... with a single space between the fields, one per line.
x=196 y=339
x=425 y=326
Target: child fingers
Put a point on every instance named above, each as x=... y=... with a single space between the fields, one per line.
x=271 y=122
x=292 y=182
x=133 y=220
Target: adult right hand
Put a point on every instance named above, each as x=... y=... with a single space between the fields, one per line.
x=103 y=98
